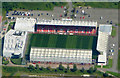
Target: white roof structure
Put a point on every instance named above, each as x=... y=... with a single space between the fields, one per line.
x=25 y=24
x=67 y=23
x=105 y=28
x=60 y=55
x=14 y=43
x=102 y=59
x=102 y=42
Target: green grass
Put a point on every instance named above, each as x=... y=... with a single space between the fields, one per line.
x=113 y=31
x=114 y=73
x=62 y=41
x=16 y=61
x=107 y=66
x=97 y=4
x=119 y=60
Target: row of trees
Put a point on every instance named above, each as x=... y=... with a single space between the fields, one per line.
x=61 y=69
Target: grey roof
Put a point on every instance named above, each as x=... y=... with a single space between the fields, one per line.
x=105 y=28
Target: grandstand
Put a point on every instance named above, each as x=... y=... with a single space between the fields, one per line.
x=67 y=27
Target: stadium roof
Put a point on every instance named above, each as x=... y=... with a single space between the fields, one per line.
x=102 y=42
x=105 y=28
x=61 y=55
x=14 y=42
x=67 y=23
x=25 y=24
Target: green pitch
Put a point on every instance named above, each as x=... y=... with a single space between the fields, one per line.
x=62 y=41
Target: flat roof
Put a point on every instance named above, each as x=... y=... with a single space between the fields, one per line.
x=105 y=28
x=25 y=24
x=14 y=42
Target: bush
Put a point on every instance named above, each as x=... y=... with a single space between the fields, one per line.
x=82 y=70
x=61 y=67
x=16 y=61
x=105 y=75
x=74 y=68
x=5 y=62
x=90 y=70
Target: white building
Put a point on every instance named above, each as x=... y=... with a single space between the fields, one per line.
x=60 y=55
x=14 y=43
x=102 y=43
x=25 y=24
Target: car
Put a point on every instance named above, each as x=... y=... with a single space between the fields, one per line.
x=113 y=45
x=13 y=14
x=41 y=13
x=47 y=13
x=38 y=14
x=60 y=15
x=88 y=15
x=77 y=11
x=101 y=17
x=31 y=14
x=110 y=22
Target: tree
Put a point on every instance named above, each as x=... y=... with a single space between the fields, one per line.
x=41 y=68
x=61 y=67
x=68 y=68
x=82 y=70
x=74 y=68
x=90 y=70
x=105 y=75
x=49 y=68
x=95 y=69
x=31 y=68
x=37 y=66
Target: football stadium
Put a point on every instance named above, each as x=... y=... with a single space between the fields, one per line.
x=63 y=41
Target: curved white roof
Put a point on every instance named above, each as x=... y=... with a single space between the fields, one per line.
x=67 y=23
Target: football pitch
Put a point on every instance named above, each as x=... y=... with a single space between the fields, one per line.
x=62 y=41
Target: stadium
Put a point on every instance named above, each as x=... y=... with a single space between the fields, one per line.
x=63 y=41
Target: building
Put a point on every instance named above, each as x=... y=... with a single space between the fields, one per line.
x=25 y=24
x=47 y=54
x=58 y=55
x=102 y=43
x=14 y=43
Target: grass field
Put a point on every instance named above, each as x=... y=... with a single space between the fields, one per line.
x=97 y=4
x=113 y=31
x=114 y=73
x=62 y=41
